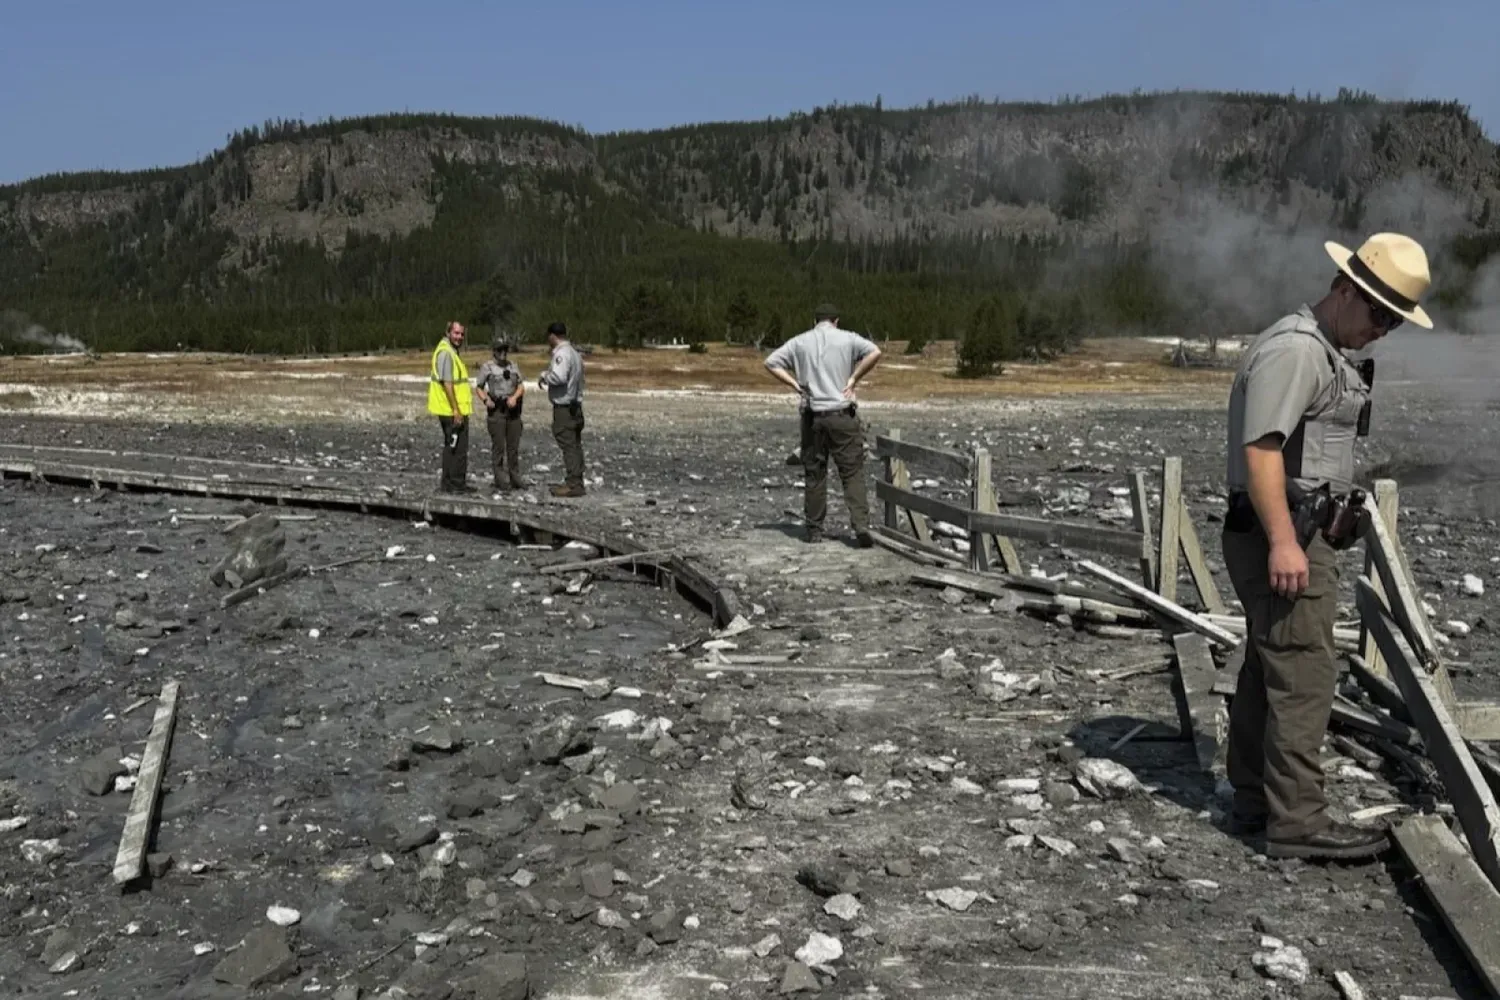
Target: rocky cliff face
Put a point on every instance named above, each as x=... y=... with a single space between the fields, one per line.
x=1121 y=167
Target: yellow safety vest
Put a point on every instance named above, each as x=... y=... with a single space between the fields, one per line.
x=437 y=399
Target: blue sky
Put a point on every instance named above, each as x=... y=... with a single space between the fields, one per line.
x=90 y=85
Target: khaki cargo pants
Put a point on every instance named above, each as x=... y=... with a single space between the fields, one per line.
x=1285 y=691
x=840 y=436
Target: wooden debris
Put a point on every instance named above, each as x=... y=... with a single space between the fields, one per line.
x=911 y=548
x=1399 y=594
x=1386 y=503
x=740 y=668
x=952 y=464
x=596 y=688
x=1156 y=602
x=894 y=452
x=1199 y=709
x=260 y=586
x=136 y=838
x=985 y=502
x=1466 y=787
x=1132 y=734
x=654 y=556
x=1228 y=679
x=1140 y=518
x=1347 y=986
x=1192 y=552
x=1171 y=511
x=1345 y=712
x=1468 y=903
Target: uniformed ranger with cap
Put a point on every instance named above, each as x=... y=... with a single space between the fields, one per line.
x=1295 y=409
x=450 y=398
x=563 y=381
x=502 y=391
x=823 y=366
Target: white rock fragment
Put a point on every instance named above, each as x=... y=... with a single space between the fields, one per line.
x=64 y=964
x=817 y=763
x=203 y=948
x=620 y=721
x=39 y=852
x=954 y=898
x=692 y=922
x=523 y=878
x=1473 y=586
x=820 y=950
x=1456 y=627
x=13 y=824
x=605 y=917
x=1018 y=785
x=282 y=916
x=843 y=906
x=432 y=939
x=1105 y=779
x=766 y=945
x=1286 y=964
x=125 y=783
x=1058 y=844
x=963 y=786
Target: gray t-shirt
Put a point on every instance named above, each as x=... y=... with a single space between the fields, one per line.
x=563 y=379
x=445 y=366
x=497 y=380
x=822 y=359
x=1276 y=385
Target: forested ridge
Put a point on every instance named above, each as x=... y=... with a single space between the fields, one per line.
x=1032 y=223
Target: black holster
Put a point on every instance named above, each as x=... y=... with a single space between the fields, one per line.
x=1341 y=519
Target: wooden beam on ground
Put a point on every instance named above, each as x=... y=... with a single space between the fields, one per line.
x=1346 y=713
x=911 y=548
x=1171 y=511
x=1386 y=503
x=1102 y=612
x=249 y=590
x=653 y=556
x=1199 y=708
x=1381 y=689
x=1457 y=886
x=135 y=841
x=1140 y=517
x=999 y=585
x=1192 y=552
x=1160 y=604
x=1472 y=799
x=951 y=464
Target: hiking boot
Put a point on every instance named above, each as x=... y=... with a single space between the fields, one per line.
x=1242 y=825
x=814 y=536
x=1339 y=842
x=863 y=540
x=567 y=490
x=501 y=485
x=517 y=483
x=460 y=488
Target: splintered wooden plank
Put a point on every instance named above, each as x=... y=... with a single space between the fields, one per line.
x=1399 y=594
x=1192 y=551
x=900 y=478
x=1479 y=720
x=894 y=472
x=952 y=464
x=1199 y=708
x=980 y=486
x=1467 y=902
x=1228 y=679
x=1140 y=517
x=1156 y=602
x=1387 y=503
x=1472 y=799
x=136 y=839
x=986 y=503
x=1171 y=512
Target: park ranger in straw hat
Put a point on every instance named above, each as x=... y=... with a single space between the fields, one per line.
x=1296 y=407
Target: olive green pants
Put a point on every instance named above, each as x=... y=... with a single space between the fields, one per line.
x=1285 y=691
x=840 y=436
x=505 y=445
x=567 y=431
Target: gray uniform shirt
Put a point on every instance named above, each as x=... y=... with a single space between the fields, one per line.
x=499 y=381
x=564 y=377
x=1289 y=373
x=445 y=367
x=822 y=359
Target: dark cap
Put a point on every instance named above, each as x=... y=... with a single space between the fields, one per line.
x=826 y=311
x=558 y=329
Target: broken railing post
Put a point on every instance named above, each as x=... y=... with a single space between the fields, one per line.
x=1140 y=516
x=1386 y=502
x=1171 y=508
x=136 y=838
x=979 y=486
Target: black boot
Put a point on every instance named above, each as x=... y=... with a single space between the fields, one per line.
x=1340 y=841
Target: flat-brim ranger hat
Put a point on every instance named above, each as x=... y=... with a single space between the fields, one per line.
x=1392 y=268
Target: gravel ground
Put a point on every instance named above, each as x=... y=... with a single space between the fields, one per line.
x=371 y=747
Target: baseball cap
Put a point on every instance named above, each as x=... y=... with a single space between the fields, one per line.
x=560 y=329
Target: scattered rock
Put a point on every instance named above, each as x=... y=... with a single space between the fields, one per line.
x=608 y=918
x=1105 y=779
x=1473 y=586
x=622 y=797
x=954 y=898
x=798 y=978
x=843 y=906
x=828 y=883
x=471 y=802
x=599 y=880
x=158 y=864
x=898 y=868
x=820 y=949
x=1060 y=794
x=39 y=852
x=264 y=960
x=408 y=835
x=498 y=977
x=283 y=916
x=550 y=742
x=1123 y=850
x=1286 y=964
x=96 y=776
x=963 y=786
x=664 y=927
x=1030 y=936
x=60 y=943
x=436 y=739
x=766 y=945
x=622 y=721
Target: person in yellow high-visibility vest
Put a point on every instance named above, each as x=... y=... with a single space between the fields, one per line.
x=451 y=400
